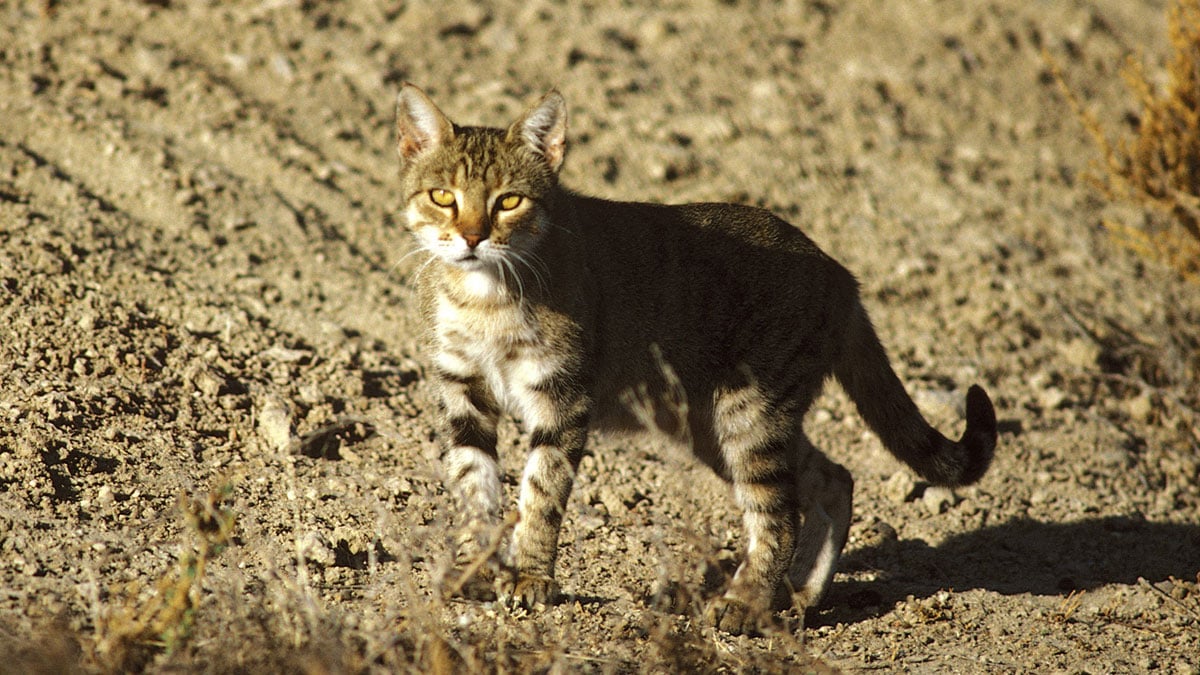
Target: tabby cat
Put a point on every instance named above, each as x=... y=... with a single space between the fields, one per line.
x=715 y=323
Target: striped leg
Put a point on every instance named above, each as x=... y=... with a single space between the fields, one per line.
x=545 y=488
x=471 y=416
x=759 y=462
x=557 y=414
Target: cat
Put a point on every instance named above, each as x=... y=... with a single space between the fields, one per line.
x=717 y=324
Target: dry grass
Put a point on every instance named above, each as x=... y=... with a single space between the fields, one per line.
x=1158 y=166
x=207 y=615
x=130 y=632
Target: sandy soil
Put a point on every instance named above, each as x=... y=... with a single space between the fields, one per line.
x=202 y=282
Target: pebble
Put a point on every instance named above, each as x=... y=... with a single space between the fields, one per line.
x=310 y=394
x=275 y=424
x=208 y=383
x=901 y=487
x=283 y=67
x=400 y=486
x=315 y=547
x=878 y=535
x=1081 y=353
x=612 y=500
x=1140 y=408
x=1052 y=398
x=938 y=500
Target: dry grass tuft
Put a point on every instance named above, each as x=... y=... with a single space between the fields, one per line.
x=1158 y=167
x=131 y=633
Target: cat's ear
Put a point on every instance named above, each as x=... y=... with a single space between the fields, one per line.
x=420 y=126
x=544 y=129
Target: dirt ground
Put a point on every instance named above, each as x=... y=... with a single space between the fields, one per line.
x=203 y=283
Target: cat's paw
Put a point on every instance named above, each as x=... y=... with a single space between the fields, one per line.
x=737 y=617
x=528 y=590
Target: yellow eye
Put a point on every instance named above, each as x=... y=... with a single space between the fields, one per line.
x=441 y=197
x=510 y=202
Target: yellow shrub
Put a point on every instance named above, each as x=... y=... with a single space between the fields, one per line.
x=1159 y=165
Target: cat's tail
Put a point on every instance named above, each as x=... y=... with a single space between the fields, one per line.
x=866 y=374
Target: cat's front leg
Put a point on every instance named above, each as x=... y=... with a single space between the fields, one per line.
x=556 y=411
x=470 y=417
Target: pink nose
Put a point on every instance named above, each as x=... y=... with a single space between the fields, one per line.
x=473 y=239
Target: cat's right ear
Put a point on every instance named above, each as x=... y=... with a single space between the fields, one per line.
x=420 y=126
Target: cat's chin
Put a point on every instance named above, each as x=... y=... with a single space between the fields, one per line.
x=480 y=278
x=484 y=282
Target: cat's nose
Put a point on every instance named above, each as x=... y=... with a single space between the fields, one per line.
x=473 y=238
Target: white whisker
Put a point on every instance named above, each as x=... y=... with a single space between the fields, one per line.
x=536 y=266
x=395 y=267
x=507 y=264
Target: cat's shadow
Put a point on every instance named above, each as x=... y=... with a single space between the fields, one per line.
x=1020 y=556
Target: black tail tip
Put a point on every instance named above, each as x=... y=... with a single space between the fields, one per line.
x=979 y=439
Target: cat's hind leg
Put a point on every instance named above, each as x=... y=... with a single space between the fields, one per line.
x=825 y=490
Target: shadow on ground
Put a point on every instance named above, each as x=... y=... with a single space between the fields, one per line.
x=1021 y=556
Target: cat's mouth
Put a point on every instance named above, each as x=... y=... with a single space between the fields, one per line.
x=470 y=261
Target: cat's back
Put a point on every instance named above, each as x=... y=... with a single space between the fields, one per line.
x=734 y=245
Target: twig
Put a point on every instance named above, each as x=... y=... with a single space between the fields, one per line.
x=1194 y=614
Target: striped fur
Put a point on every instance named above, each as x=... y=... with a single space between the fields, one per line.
x=716 y=324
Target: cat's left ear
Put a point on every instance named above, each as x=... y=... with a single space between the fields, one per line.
x=544 y=129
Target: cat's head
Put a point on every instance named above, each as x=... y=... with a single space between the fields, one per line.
x=477 y=198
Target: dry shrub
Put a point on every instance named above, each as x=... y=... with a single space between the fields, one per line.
x=130 y=633
x=1159 y=165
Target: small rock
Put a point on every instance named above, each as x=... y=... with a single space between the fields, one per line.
x=310 y=394
x=1081 y=353
x=316 y=548
x=1140 y=408
x=285 y=355
x=611 y=501
x=275 y=424
x=399 y=486
x=1114 y=457
x=900 y=487
x=938 y=500
x=911 y=267
x=878 y=534
x=352 y=540
x=283 y=67
x=336 y=576
x=208 y=383
x=1052 y=398
x=104 y=496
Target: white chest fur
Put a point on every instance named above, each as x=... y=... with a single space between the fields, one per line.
x=502 y=345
